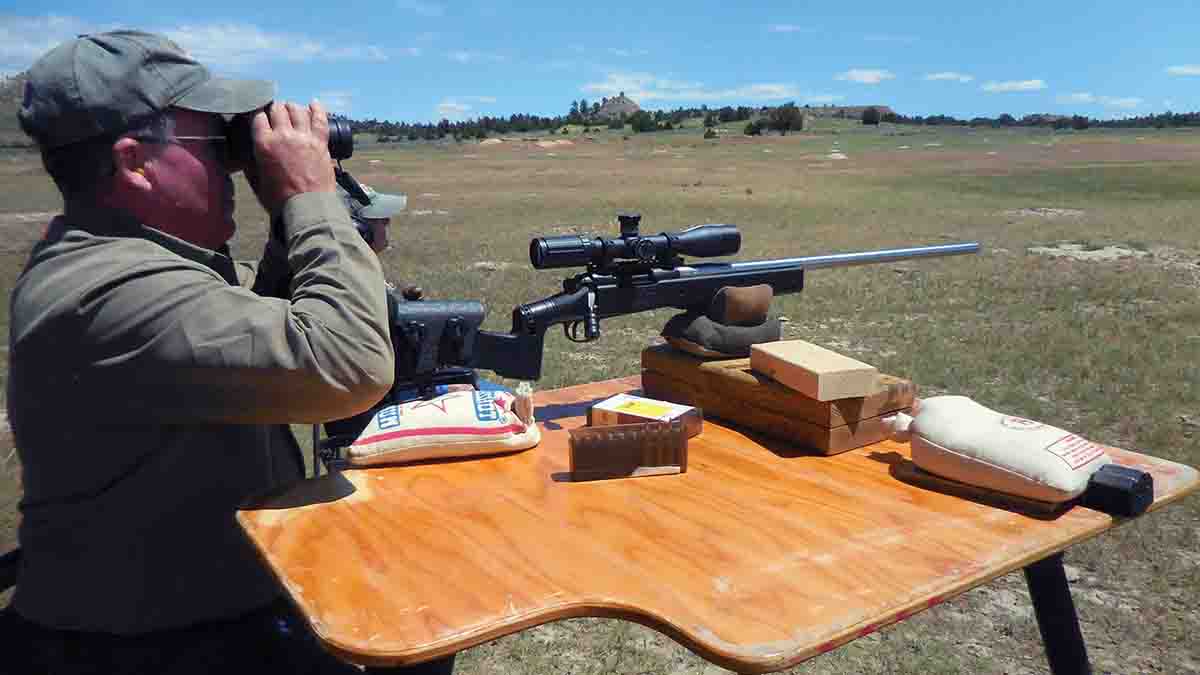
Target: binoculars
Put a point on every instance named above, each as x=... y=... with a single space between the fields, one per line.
x=241 y=141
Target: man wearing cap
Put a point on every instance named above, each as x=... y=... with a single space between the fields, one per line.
x=151 y=378
x=373 y=219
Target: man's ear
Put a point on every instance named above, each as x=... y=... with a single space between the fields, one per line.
x=130 y=157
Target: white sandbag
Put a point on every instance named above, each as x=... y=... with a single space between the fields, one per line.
x=457 y=424
x=957 y=438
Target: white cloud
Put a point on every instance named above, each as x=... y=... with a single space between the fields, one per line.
x=1088 y=98
x=24 y=40
x=1127 y=103
x=231 y=46
x=453 y=110
x=949 y=76
x=237 y=46
x=1014 y=85
x=422 y=8
x=1079 y=98
x=1184 y=70
x=627 y=52
x=336 y=101
x=645 y=87
x=823 y=98
x=865 y=75
x=467 y=56
x=789 y=28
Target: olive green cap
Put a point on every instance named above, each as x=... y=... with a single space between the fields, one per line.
x=108 y=83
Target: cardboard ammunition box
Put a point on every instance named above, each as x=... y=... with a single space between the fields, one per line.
x=630 y=409
x=628 y=450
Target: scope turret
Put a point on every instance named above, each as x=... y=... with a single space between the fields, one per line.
x=573 y=250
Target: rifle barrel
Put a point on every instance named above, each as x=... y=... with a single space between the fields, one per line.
x=858 y=257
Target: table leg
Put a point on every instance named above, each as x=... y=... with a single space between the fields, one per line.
x=1055 y=610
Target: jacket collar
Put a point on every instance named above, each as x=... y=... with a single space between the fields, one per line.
x=109 y=222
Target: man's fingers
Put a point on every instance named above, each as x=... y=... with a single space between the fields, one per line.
x=319 y=120
x=299 y=117
x=259 y=126
x=279 y=115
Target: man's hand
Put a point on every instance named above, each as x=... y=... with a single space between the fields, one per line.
x=291 y=150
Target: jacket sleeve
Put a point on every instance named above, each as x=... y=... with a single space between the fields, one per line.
x=184 y=346
x=270 y=276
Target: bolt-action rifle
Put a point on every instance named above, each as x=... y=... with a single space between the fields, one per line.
x=440 y=342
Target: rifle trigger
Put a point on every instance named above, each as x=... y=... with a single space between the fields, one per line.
x=455 y=336
x=414 y=334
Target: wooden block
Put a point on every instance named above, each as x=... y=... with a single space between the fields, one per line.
x=812 y=370
x=734 y=378
x=731 y=391
x=628 y=450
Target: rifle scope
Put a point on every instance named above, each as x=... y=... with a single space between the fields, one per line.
x=573 y=250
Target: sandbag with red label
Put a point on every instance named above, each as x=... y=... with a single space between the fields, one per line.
x=957 y=438
x=456 y=424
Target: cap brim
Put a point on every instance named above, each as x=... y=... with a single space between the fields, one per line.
x=383 y=206
x=227 y=96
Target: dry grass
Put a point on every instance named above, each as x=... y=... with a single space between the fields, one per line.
x=1106 y=348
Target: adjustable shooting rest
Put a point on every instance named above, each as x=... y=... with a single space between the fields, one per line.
x=759 y=557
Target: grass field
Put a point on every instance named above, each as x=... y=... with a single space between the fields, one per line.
x=1107 y=347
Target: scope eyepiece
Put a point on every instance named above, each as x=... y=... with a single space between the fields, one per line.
x=573 y=250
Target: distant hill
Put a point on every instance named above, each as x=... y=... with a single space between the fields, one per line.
x=845 y=111
x=620 y=106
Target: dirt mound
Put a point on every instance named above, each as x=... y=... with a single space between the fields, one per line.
x=1045 y=212
x=491 y=141
x=1083 y=252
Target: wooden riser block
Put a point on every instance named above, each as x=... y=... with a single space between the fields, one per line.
x=728 y=389
x=813 y=370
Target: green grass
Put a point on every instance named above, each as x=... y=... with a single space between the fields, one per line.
x=1106 y=349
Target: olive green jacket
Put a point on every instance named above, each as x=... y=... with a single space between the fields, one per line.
x=148 y=379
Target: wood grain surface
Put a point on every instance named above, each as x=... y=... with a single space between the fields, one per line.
x=757 y=558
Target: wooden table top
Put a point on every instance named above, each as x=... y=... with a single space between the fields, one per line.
x=757 y=558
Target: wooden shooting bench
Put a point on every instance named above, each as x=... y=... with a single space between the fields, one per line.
x=758 y=557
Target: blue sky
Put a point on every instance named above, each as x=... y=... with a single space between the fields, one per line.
x=422 y=60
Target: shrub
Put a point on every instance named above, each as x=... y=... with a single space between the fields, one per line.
x=753 y=129
x=710 y=133
x=641 y=121
x=871 y=116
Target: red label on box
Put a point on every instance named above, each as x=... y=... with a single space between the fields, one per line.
x=1075 y=450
